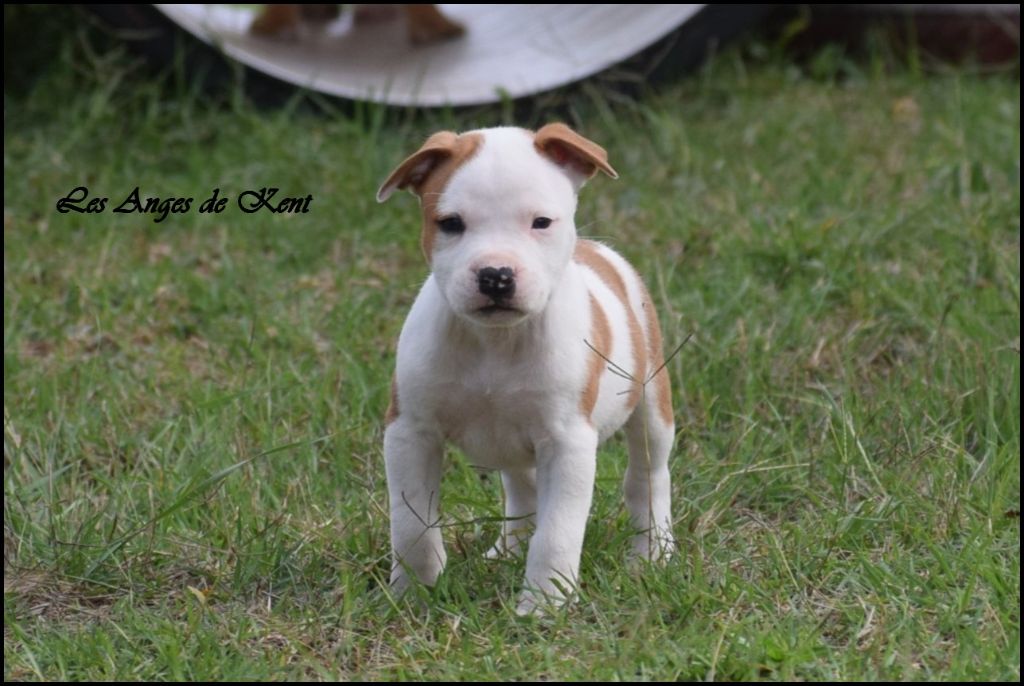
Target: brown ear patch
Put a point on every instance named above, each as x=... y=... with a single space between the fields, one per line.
x=426 y=173
x=566 y=148
x=417 y=167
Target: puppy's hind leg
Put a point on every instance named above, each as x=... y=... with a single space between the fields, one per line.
x=650 y=432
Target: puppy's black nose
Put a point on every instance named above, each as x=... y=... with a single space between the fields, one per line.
x=497 y=283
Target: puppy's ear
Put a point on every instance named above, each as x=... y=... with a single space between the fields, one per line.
x=416 y=168
x=580 y=157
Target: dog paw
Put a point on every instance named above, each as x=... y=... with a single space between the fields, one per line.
x=652 y=546
x=504 y=549
x=526 y=606
x=400 y=583
x=538 y=604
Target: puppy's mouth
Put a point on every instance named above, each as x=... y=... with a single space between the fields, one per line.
x=496 y=308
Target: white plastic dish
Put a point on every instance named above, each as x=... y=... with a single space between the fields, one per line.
x=509 y=51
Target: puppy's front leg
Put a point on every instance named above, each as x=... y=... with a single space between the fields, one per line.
x=520 y=507
x=412 y=457
x=566 y=464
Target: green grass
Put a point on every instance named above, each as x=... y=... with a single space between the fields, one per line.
x=193 y=481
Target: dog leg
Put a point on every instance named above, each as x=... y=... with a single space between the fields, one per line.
x=520 y=507
x=566 y=465
x=413 y=460
x=647 y=484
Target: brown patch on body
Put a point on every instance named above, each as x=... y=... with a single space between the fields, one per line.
x=662 y=387
x=427 y=173
x=601 y=341
x=392 y=412
x=588 y=254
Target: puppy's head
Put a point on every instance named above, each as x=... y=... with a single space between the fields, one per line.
x=498 y=214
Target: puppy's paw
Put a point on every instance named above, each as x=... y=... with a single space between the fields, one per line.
x=400 y=582
x=497 y=552
x=653 y=546
x=537 y=604
x=505 y=548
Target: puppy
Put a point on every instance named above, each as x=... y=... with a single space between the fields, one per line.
x=526 y=348
x=423 y=23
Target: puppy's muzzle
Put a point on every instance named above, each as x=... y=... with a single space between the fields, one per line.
x=498 y=283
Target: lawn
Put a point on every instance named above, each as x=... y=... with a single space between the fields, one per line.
x=193 y=407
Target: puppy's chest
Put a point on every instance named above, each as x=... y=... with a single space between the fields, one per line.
x=494 y=412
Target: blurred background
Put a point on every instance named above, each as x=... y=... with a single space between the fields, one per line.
x=503 y=51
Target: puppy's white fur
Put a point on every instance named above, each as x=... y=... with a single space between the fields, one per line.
x=520 y=389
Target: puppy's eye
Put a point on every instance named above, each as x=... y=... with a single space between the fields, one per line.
x=451 y=224
x=541 y=223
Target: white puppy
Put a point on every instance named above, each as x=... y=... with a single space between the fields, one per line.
x=526 y=348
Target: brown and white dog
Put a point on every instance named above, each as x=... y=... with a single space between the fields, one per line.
x=526 y=348
x=424 y=23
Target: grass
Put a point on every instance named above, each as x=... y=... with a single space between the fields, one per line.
x=193 y=480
